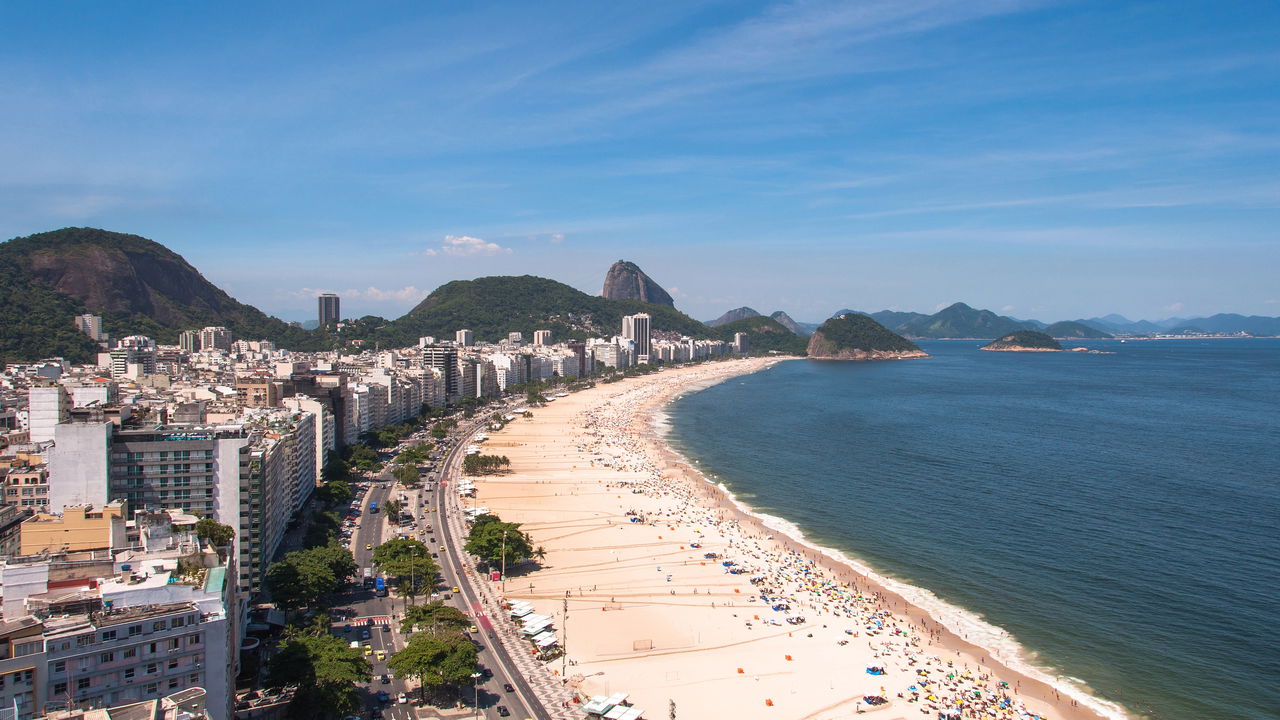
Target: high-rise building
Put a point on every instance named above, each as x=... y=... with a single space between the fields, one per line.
x=215 y=338
x=541 y=337
x=134 y=357
x=741 y=344
x=515 y=338
x=330 y=312
x=46 y=407
x=91 y=325
x=636 y=329
x=189 y=341
x=464 y=338
x=444 y=359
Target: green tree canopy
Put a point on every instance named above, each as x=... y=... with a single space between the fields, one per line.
x=305 y=577
x=335 y=492
x=215 y=532
x=325 y=671
x=408 y=561
x=406 y=475
x=492 y=539
x=437 y=659
x=484 y=464
x=434 y=617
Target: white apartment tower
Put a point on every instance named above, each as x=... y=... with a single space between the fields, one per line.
x=46 y=407
x=464 y=338
x=91 y=325
x=541 y=337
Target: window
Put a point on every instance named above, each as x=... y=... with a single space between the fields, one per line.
x=59 y=689
x=107 y=657
x=60 y=666
x=153 y=688
x=173 y=683
x=27 y=648
x=82 y=640
x=108 y=635
x=173 y=664
x=175 y=643
x=195 y=678
x=82 y=684
x=152 y=668
x=179 y=621
x=135 y=630
x=152 y=649
x=193 y=639
x=128 y=673
x=157 y=626
x=131 y=652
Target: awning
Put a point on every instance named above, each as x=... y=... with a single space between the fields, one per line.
x=546 y=640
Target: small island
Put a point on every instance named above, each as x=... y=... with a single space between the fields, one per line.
x=1024 y=341
x=853 y=336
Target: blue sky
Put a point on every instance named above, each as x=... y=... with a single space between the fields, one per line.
x=1043 y=159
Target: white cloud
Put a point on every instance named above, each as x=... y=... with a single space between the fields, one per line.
x=557 y=238
x=1175 y=307
x=1272 y=302
x=466 y=246
x=1008 y=308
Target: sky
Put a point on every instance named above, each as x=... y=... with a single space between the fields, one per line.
x=1043 y=159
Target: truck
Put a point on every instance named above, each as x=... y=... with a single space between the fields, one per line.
x=379 y=587
x=373 y=506
x=368 y=577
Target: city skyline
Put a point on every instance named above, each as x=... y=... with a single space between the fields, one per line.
x=1049 y=160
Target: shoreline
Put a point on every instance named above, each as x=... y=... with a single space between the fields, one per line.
x=840 y=590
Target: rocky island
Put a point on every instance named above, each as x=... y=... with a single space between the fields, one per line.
x=853 y=336
x=1024 y=341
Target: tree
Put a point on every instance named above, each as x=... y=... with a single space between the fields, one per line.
x=215 y=532
x=434 y=617
x=484 y=464
x=393 y=508
x=324 y=670
x=493 y=540
x=304 y=577
x=406 y=475
x=335 y=468
x=335 y=492
x=408 y=561
x=437 y=659
x=363 y=458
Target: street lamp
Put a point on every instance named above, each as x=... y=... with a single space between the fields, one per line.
x=475 y=692
x=504 y=561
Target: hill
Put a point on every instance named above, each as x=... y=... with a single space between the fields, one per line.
x=731 y=315
x=1024 y=341
x=137 y=285
x=1068 y=330
x=765 y=334
x=857 y=337
x=492 y=307
x=626 y=281
x=795 y=326
x=961 y=321
x=895 y=320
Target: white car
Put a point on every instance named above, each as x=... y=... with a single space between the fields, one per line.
x=402 y=698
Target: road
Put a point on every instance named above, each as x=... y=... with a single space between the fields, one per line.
x=361 y=607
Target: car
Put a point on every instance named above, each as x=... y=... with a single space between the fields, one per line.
x=507 y=687
x=346 y=628
x=386 y=628
x=364 y=634
x=435 y=555
x=448 y=596
x=503 y=711
x=368 y=546
x=455 y=589
x=473 y=629
x=368 y=651
x=402 y=698
x=381 y=655
x=386 y=679
x=383 y=696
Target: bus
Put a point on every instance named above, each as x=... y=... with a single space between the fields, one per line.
x=379 y=588
x=373 y=506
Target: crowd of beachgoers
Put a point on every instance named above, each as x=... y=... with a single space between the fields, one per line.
x=789 y=586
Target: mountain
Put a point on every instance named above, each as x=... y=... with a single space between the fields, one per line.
x=1023 y=341
x=492 y=307
x=961 y=321
x=1231 y=323
x=799 y=328
x=1068 y=329
x=137 y=285
x=855 y=336
x=764 y=335
x=626 y=281
x=894 y=320
x=731 y=315
x=1120 y=325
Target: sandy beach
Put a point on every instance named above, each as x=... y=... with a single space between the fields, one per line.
x=674 y=594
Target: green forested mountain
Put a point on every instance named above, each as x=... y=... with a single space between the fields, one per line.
x=138 y=286
x=1023 y=339
x=492 y=307
x=961 y=321
x=856 y=333
x=764 y=334
x=1072 y=329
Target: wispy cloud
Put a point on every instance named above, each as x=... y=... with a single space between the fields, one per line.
x=408 y=293
x=467 y=246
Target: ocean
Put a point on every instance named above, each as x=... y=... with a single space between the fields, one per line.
x=1113 y=519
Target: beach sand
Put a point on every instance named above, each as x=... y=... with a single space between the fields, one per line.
x=619 y=515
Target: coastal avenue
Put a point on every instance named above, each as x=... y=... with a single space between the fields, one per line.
x=362 y=607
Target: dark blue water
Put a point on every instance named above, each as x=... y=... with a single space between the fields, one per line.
x=1118 y=514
